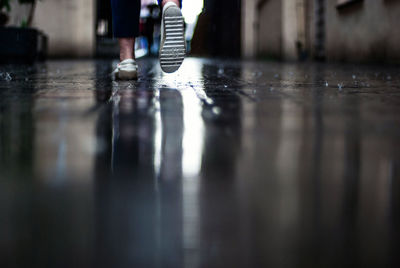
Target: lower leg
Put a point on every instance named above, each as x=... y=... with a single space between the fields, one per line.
x=126 y=48
x=173 y=1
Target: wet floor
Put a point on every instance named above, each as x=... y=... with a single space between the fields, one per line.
x=222 y=164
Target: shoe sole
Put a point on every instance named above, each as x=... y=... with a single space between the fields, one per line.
x=127 y=75
x=173 y=49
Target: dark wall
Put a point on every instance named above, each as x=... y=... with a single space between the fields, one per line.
x=218 y=30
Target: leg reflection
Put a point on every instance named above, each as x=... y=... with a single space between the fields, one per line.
x=138 y=202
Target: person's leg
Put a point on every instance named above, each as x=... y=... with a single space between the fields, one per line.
x=125 y=14
x=161 y=3
x=126 y=48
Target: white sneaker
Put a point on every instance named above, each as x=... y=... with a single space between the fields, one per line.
x=172 y=45
x=126 y=70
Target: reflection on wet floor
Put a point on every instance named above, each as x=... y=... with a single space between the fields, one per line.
x=222 y=164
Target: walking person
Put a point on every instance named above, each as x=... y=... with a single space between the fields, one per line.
x=126 y=15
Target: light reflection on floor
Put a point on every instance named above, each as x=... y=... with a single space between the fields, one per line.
x=222 y=164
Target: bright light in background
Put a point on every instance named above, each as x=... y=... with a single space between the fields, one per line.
x=191 y=9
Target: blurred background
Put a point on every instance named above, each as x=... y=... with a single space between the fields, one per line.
x=332 y=30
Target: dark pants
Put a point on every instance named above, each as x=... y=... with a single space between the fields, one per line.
x=126 y=15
